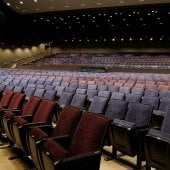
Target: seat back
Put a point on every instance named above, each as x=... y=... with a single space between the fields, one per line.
x=49 y=94
x=104 y=94
x=67 y=122
x=5 y=100
x=133 y=98
x=164 y=105
x=17 y=101
x=39 y=92
x=138 y=91
x=70 y=89
x=116 y=109
x=65 y=98
x=166 y=123
x=31 y=106
x=151 y=92
x=78 y=100
x=98 y=105
x=45 y=111
x=125 y=90
x=18 y=89
x=118 y=95
x=164 y=95
x=89 y=133
x=139 y=114
x=29 y=91
x=153 y=101
x=81 y=91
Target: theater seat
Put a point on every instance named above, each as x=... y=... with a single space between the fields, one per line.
x=6 y=99
x=128 y=134
x=65 y=126
x=28 y=110
x=21 y=124
x=80 y=152
x=15 y=103
x=157 y=146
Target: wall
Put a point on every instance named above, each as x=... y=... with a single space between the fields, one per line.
x=8 y=55
x=108 y=50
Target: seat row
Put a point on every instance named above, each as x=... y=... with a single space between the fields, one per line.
x=130 y=123
x=51 y=92
x=74 y=82
x=83 y=147
x=43 y=75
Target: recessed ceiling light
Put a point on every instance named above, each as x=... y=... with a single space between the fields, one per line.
x=35 y=1
x=17 y=7
x=66 y=6
x=82 y=5
x=99 y=3
x=21 y=2
x=8 y=4
x=121 y=2
x=37 y=9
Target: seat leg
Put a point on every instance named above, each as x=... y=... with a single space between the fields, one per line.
x=147 y=166
x=6 y=145
x=139 y=162
x=113 y=155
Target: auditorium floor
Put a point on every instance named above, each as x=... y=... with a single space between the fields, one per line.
x=21 y=164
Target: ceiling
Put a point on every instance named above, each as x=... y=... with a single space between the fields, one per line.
x=37 y=6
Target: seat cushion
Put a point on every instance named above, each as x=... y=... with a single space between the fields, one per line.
x=55 y=149
x=159 y=135
x=19 y=120
x=123 y=123
x=38 y=133
x=9 y=114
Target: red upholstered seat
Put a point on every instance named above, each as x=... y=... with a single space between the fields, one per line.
x=28 y=110
x=55 y=149
x=66 y=124
x=20 y=125
x=81 y=150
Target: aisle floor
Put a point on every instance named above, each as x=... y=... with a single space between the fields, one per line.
x=21 y=164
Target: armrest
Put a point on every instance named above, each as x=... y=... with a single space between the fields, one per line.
x=61 y=106
x=17 y=112
x=27 y=118
x=90 y=160
x=158 y=113
x=46 y=128
x=159 y=135
x=63 y=140
x=35 y=124
x=123 y=123
x=4 y=109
